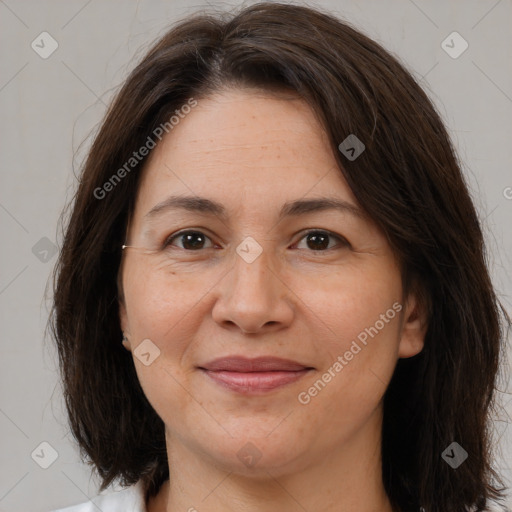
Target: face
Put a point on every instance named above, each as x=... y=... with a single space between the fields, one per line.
x=273 y=306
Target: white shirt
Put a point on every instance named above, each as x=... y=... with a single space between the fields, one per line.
x=130 y=499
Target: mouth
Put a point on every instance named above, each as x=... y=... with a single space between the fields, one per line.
x=254 y=376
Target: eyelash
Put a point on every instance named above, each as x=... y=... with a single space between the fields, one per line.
x=343 y=241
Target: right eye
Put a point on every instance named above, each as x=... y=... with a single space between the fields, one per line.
x=191 y=240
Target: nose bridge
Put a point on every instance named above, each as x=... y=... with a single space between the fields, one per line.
x=253 y=280
x=253 y=296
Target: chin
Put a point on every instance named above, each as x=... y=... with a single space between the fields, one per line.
x=256 y=455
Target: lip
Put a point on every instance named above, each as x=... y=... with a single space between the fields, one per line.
x=256 y=364
x=254 y=375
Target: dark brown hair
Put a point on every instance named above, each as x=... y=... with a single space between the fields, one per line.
x=408 y=180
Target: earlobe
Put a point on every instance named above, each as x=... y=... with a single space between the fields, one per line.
x=126 y=343
x=124 y=326
x=414 y=328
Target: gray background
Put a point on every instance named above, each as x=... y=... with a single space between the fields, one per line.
x=50 y=106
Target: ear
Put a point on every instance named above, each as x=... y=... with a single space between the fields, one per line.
x=123 y=320
x=123 y=316
x=414 y=327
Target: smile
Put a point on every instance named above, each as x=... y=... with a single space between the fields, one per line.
x=254 y=376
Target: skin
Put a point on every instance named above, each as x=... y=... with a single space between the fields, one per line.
x=252 y=152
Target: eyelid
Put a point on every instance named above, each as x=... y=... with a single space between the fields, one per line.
x=168 y=240
x=340 y=238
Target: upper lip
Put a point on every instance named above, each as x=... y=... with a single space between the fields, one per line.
x=258 y=364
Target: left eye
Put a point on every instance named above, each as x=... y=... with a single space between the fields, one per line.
x=318 y=240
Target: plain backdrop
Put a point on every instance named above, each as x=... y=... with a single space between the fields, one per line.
x=49 y=106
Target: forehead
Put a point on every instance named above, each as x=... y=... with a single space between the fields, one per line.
x=243 y=145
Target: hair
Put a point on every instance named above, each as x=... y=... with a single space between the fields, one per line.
x=408 y=180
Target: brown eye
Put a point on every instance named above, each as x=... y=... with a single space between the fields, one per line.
x=318 y=240
x=190 y=240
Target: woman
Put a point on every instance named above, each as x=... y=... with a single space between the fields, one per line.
x=273 y=221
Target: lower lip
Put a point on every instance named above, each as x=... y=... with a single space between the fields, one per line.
x=255 y=382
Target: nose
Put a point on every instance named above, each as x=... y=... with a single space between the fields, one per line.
x=253 y=297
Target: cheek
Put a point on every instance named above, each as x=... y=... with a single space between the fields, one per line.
x=357 y=314
x=159 y=303
x=161 y=310
x=351 y=298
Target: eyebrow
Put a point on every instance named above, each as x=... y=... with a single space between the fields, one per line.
x=295 y=208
